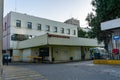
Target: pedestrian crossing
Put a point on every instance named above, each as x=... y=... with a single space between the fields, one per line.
x=20 y=73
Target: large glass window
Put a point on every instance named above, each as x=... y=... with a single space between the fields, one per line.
x=29 y=25
x=47 y=27
x=39 y=26
x=19 y=37
x=18 y=23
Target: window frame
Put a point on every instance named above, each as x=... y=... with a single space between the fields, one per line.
x=68 y=31
x=74 y=32
x=47 y=27
x=18 y=23
x=29 y=25
x=39 y=27
x=55 y=29
x=62 y=30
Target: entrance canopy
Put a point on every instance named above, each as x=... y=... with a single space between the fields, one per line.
x=50 y=39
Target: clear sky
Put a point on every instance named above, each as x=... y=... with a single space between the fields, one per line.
x=58 y=10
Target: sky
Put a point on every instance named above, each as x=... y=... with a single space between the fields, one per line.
x=58 y=10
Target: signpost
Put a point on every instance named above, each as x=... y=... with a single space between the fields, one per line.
x=116 y=37
x=1 y=29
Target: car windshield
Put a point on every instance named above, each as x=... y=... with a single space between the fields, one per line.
x=102 y=51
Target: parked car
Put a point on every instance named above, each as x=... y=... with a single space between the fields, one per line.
x=98 y=53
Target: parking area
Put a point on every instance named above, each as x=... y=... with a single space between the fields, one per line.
x=83 y=70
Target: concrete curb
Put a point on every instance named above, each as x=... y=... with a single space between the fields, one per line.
x=116 y=62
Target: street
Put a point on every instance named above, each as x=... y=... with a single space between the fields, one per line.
x=83 y=70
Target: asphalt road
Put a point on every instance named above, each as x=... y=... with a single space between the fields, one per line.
x=83 y=70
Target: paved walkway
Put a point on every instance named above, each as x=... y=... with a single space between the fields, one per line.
x=20 y=73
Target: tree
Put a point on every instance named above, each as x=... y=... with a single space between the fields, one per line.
x=81 y=33
x=91 y=34
x=104 y=10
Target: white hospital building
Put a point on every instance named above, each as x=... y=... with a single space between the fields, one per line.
x=29 y=38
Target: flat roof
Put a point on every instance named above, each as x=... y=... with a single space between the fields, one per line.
x=50 y=39
x=112 y=24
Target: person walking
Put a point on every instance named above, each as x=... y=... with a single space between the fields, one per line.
x=5 y=59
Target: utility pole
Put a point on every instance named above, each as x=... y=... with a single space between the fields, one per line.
x=1 y=37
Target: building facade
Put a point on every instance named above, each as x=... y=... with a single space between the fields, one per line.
x=54 y=48
x=29 y=38
x=19 y=27
x=73 y=21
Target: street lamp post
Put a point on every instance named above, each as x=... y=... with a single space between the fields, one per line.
x=1 y=34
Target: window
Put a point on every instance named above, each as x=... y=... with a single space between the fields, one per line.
x=18 y=23
x=74 y=32
x=5 y=26
x=55 y=29
x=62 y=30
x=19 y=37
x=68 y=31
x=47 y=28
x=39 y=27
x=29 y=25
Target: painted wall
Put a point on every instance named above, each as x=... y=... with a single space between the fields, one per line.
x=11 y=18
x=76 y=53
x=35 y=52
x=26 y=54
x=37 y=41
x=36 y=20
x=6 y=32
x=61 y=54
x=17 y=55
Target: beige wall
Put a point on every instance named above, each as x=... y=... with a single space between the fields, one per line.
x=59 y=53
x=17 y=55
x=35 y=20
x=26 y=54
x=38 y=41
x=35 y=52
x=64 y=53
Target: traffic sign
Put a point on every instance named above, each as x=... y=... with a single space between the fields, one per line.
x=116 y=37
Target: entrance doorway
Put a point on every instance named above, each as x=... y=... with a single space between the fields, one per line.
x=44 y=53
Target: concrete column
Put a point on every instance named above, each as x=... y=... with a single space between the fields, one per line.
x=1 y=34
x=50 y=53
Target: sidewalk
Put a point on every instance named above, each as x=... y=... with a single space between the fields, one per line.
x=12 y=72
